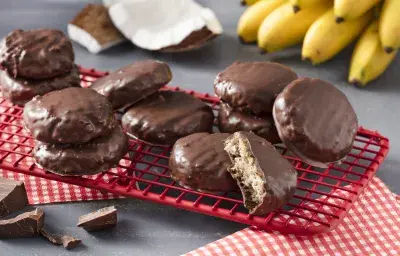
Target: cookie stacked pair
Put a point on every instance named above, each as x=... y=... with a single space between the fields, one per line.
x=248 y=91
x=75 y=132
x=36 y=62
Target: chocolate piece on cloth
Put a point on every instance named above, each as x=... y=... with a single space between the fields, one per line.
x=167 y=116
x=98 y=220
x=12 y=196
x=200 y=162
x=315 y=121
x=132 y=83
x=267 y=180
x=68 y=242
x=26 y=224
x=37 y=53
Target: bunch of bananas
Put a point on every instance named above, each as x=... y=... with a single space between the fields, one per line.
x=326 y=27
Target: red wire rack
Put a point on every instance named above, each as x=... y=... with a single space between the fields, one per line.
x=322 y=199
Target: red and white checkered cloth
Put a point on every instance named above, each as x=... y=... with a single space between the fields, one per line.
x=371 y=228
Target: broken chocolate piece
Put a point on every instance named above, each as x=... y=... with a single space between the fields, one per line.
x=101 y=219
x=68 y=242
x=12 y=196
x=27 y=224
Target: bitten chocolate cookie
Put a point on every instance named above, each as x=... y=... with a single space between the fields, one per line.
x=37 y=53
x=267 y=180
x=231 y=121
x=93 y=157
x=20 y=90
x=165 y=117
x=200 y=162
x=315 y=121
x=132 y=83
x=72 y=115
x=252 y=86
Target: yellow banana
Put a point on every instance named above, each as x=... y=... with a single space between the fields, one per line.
x=300 y=4
x=251 y=19
x=351 y=9
x=326 y=38
x=369 y=60
x=389 y=26
x=284 y=28
x=248 y=2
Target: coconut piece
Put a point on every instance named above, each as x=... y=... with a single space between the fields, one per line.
x=167 y=25
x=93 y=28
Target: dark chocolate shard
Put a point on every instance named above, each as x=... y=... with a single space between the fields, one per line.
x=68 y=242
x=27 y=224
x=101 y=219
x=12 y=196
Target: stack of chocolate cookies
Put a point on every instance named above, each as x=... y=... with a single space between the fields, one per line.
x=36 y=62
x=75 y=132
x=248 y=91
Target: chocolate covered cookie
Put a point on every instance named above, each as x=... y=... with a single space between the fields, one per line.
x=252 y=86
x=267 y=180
x=132 y=83
x=72 y=115
x=21 y=90
x=93 y=157
x=315 y=121
x=200 y=162
x=37 y=53
x=165 y=117
x=231 y=121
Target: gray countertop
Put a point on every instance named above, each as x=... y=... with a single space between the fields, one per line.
x=150 y=229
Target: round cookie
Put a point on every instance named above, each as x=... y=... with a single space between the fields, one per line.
x=93 y=157
x=165 y=117
x=231 y=121
x=315 y=121
x=200 y=162
x=252 y=86
x=37 y=53
x=72 y=115
x=20 y=90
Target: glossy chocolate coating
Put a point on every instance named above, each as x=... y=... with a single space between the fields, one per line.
x=165 y=117
x=231 y=121
x=93 y=157
x=72 y=115
x=132 y=83
x=200 y=162
x=20 y=90
x=315 y=121
x=37 y=53
x=252 y=86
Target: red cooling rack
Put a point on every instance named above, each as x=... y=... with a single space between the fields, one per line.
x=322 y=199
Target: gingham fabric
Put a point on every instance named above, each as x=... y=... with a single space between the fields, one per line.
x=372 y=227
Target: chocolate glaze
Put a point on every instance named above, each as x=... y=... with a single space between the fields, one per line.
x=200 y=162
x=21 y=90
x=132 y=83
x=27 y=224
x=231 y=121
x=12 y=196
x=165 y=117
x=252 y=86
x=37 y=53
x=93 y=157
x=72 y=115
x=315 y=121
x=193 y=41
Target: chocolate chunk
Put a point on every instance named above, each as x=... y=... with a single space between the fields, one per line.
x=132 y=83
x=167 y=116
x=194 y=40
x=21 y=90
x=252 y=86
x=230 y=121
x=101 y=219
x=12 y=196
x=267 y=180
x=93 y=157
x=200 y=162
x=27 y=224
x=72 y=115
x=37 y=53
x=315 y=121
x=68 y=242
